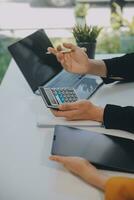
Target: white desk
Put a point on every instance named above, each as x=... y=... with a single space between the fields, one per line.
x=25 y=171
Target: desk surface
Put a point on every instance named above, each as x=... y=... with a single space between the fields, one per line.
x=25 y=171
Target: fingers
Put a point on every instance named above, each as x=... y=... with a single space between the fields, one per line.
x=60 y=57
x=59 y=48
x=69 y=159
x=69 y=111
x=60 y=159
x=69 y=115
x=64 y=59
x=52 y=50
x=69 y=106
x=69 y=46
x=66 y=159
x=57 y=53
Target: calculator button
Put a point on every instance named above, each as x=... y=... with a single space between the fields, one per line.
x=58 y=99
x=58 y=92
x=71 y=95
x=69 y=91
x=71 y=101
x=53 y=90
x=60 y=95
x=74 y=99
x=74 y=95
x=54 y=93
x=62 y=100
x=64 y=94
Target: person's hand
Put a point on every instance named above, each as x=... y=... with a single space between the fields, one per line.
x=80 y=110
x=82 y=168
x=75 y=61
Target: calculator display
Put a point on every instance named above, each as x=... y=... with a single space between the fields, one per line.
x=44 y=96
x=50 y=96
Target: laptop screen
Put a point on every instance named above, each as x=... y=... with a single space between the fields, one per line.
x=30 y=55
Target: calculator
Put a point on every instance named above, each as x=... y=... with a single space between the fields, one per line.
x=53 y=97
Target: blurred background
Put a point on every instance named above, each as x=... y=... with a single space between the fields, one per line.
x=18 y=18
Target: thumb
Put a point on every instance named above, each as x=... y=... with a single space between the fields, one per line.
x=69 y=46
x=52 y=50
x=59 y=48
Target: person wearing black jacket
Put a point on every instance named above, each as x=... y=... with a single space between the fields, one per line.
x=119 y=68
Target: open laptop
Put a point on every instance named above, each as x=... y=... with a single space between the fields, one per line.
x=41 y=69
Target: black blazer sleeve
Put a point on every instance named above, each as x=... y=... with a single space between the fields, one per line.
x=117 y=117
x=122 y=67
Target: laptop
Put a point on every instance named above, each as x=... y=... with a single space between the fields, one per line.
x=41 y=69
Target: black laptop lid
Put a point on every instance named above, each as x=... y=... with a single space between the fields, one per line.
x=105 y=151
x=30 y=55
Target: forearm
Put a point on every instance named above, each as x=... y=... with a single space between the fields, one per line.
x=97 y=67
x=117 y=68
x=97 y=179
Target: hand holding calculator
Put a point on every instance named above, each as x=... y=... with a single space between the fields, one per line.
x=53 y=97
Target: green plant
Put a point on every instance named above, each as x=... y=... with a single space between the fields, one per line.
x=116 y=17
x=81 y=9
x=108 y=42
x=118 y=21
x=86 y=33
x=129 y=26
